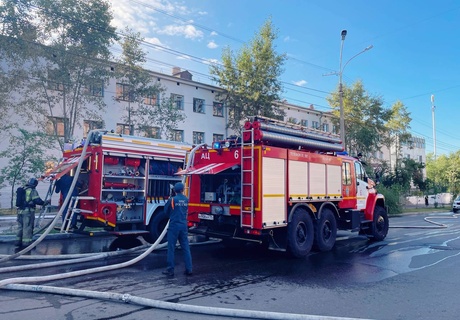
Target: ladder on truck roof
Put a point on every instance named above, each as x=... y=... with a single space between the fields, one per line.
x=247 y=180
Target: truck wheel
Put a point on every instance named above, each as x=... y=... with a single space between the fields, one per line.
x=380 y=224
x=156 y=226
x=325 y=231
x=300 y=234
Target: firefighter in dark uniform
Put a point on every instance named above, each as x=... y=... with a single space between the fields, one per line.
x=26 y=216
x=176 y=209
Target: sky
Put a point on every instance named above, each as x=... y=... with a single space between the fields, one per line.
x=415 y=54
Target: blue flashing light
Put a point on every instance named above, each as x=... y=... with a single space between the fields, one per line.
x=216 y=145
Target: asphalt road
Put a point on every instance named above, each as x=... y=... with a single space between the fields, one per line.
x=413 y=274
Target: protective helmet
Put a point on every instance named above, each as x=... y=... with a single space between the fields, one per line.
x=32 y=182
x=179 y=187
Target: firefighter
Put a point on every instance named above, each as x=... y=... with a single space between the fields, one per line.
x=26 y=216
x=176 y=209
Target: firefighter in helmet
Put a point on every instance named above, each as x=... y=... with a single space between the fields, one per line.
x=26 y=215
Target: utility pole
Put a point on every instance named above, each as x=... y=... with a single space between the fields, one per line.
x=434 y=125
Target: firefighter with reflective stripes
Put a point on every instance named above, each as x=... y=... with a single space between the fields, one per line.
x=176 y=209
x=26 y=215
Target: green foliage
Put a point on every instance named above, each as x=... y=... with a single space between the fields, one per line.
x=392 y=196
x=165 y=116
x=55 y=52
x=365 y=118
x=251 y=78
x=154 y=119
x=26 y=156
x=406 y=171
x=443 y=173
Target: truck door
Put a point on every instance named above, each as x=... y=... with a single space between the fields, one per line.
x=361 y=185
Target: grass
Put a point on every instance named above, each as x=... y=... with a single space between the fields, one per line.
x=7 y=212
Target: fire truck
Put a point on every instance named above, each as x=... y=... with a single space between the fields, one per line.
x=125 y=182
x=284 y=186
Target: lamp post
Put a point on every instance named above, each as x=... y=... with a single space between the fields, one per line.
x=340 y=73
x=342 y=120
x=434 y=126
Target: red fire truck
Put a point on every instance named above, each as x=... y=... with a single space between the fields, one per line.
x=282 y=185
x=126 y=181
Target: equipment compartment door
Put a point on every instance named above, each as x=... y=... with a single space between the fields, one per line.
x=274 y=191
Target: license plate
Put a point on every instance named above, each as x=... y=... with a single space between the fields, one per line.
x=205 y=216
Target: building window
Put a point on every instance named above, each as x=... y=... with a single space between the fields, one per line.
x=56 y=126
x=217 y=137
x=217 y=109
x=123 y=128
x=315 y=124
x=325 y=127
x=89 y=125
x=198 y=105
x=96 y=89
x=124 y=92
x=152 y=99
x=178 y=101
x=198 y=137
x=304 y=123
x=178 y=135
x=335 y=129
x=152 y=132
x=55 y=80
x=292 y=120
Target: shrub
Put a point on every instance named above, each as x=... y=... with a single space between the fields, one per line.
x=391 y=194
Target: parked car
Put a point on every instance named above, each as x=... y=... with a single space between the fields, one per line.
x=456 y=204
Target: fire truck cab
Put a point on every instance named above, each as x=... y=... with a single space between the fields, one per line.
x=126 y=181
x=282 y=185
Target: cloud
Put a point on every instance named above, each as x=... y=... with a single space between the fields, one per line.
x=213 y=34
x=184 y=57
x=155 y=41
x=289 y=39
x=212 y=45
x=211 y=61
x=139 y=18
x=188 y=31
x=300 y=83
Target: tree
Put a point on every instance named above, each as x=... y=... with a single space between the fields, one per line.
x=397 y=127
x=165 y=116
x=27 y=158
x=137 y=87
x=67 y=44
x=444 y=172
x=251 y=78
x=365 y=118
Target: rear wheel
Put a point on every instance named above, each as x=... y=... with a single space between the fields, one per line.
x=379 y=229
x=156 y=227
x=325 y=231
x=300 y=234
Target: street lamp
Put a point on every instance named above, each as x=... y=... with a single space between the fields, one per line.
x=434 y=126
x=342 y=120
